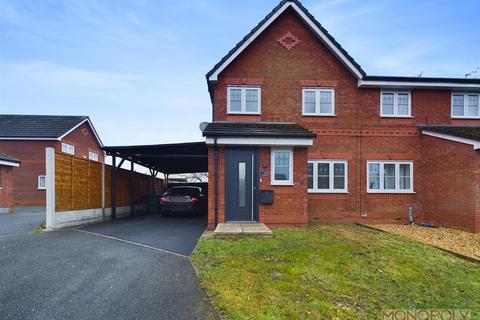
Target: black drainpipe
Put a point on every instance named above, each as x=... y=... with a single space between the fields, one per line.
x=216 y=180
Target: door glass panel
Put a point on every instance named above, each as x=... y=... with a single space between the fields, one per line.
x=242 y=185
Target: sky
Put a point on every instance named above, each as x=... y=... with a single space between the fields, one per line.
x=137 y=67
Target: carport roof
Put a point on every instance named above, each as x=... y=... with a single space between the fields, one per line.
x=186 y=157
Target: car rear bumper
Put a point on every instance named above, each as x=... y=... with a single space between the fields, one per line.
x=179 y=208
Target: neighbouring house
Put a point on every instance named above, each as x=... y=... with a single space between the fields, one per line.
x=300 y=132
x=7 y=166
x=25 y=138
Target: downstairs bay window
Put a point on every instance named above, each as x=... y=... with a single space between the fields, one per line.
x=327 y=176
x=390 y=176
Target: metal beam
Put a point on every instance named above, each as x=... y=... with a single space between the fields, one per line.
x=113 y=188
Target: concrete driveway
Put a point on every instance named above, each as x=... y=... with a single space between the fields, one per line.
x=23 y=220
x=75 y=274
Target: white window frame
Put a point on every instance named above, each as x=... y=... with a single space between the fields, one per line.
x=243 y=99
x=397 y=176
x=395 y=104
x=68 y=148
x=465 y=105
x=40 y=177
x=274 y=182
x=317 y=101
x=93 y=156
x=331 y=176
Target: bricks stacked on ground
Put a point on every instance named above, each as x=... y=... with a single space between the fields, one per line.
x=356 y=133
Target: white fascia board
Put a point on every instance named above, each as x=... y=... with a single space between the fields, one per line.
x=475 y=144
x=9 y=163
x=78 y=125
x=249 y=141
x=311 y=24
x=411 y=84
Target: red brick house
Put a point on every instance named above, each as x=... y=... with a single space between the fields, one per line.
x=300 y=132
x=7 y=166
x=25 y=137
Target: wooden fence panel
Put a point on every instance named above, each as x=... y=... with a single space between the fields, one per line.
x=78 y=184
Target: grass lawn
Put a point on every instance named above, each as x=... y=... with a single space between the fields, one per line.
x=330 y=271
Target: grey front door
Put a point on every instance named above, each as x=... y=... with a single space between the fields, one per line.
x=241 y=185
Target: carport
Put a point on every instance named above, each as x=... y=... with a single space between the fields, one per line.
x=177 y=235
x=190 y=157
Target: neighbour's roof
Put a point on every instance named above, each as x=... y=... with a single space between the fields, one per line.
x=466 y=132
x=6 y=157
x=257 y=129
x=37 y=126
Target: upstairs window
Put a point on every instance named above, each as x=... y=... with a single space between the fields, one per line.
x=93 y=156
x=390 y=176
x=243 y=100
x=395 y=104
x=465 y=105
x=325 y=176
x=318 y=102
x=68 y=148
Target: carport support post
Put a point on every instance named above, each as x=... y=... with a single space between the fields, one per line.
x=50 y=186
x=113 y=187
x=132 y=190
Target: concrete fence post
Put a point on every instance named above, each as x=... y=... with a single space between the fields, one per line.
x=50 y=186
x=103 y=190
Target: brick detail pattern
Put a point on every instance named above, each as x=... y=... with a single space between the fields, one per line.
x=452 y=184
x=32 y=155
x=6 y=187
x=288 y=41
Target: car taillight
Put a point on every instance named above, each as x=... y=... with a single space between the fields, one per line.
x=194 y=200
x=163 y=200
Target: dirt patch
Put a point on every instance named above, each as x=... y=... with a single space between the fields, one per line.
x=462 y=242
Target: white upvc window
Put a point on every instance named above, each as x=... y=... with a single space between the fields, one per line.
x=390 y=176
x=41 y=183
x=68 y=148
x=395 y=104
x=282 y=167
x=93 y=156
x=466 y=105
x=318 y=101
x=244 y=100
x=327 y=176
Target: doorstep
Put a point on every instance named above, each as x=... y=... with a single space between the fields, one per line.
x=242 y=229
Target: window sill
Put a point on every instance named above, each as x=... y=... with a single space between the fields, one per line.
x=317 y=115
x=397 y=117
x=282 y=184
x=465 y=118
x=328 y=192
x=390 y=192
x=244 y=113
